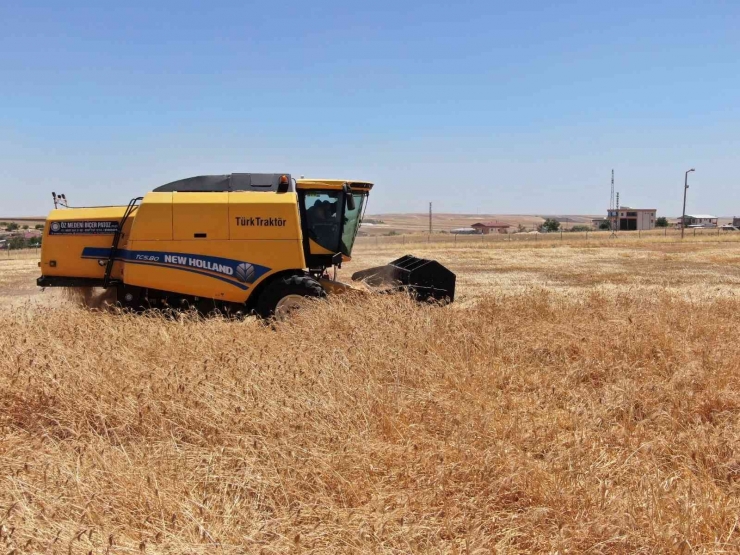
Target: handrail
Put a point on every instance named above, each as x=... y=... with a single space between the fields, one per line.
x=116 y=239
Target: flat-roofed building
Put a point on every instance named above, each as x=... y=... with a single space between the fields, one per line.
x=601 y=223
x=633 y=219
x=700 y=220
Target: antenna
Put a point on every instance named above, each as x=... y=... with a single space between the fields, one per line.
x=611 y=198
x=59 y=200
x=614 y=209
x=430 y=218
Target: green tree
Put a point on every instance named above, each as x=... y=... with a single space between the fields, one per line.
x=12 y=226
x=17 y=243
x=39 y=226
x=25 y=227
x=551 y=224
x=34 y=242
x=661 y=222
x=605 y=226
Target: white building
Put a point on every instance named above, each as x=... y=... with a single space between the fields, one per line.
x=701 y=220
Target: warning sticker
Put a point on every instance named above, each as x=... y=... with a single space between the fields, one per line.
x=83 y=227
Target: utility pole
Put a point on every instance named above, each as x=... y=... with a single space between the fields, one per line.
x=430 y=218
x=613 y=216
x=611 y=202
x=615 y=227
x=685 y=188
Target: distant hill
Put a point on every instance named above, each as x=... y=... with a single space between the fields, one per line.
x=24 y=220
x=419 y=223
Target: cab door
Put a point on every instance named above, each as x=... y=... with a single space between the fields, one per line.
x=322 y=211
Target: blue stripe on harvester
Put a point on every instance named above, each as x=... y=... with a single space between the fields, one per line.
x=211 y=265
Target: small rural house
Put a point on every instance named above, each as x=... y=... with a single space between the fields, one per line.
x=487 y=227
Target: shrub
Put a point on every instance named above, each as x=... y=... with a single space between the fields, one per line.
x=550 y=224
x=17 y=243
x=661 y=222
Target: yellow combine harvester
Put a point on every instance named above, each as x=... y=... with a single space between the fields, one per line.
x=241 y=242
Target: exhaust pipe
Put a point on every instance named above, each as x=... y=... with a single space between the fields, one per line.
x=425 y=279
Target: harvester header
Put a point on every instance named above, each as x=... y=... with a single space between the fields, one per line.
x=236 y=242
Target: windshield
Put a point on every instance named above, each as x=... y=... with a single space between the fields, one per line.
x=351 y=224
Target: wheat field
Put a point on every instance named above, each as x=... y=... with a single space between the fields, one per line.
x=574 y=399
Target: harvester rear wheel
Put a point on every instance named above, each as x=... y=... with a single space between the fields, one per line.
x=283 y=295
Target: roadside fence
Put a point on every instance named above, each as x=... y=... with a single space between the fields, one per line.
x=20 y=254
x=653 y=235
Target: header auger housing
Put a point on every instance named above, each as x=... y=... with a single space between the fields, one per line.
x=426 y=279
x=238 y=243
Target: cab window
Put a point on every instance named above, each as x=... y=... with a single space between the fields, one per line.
x=323 y=211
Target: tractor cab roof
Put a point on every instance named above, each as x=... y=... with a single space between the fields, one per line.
x=310 y=183
x=276 y=182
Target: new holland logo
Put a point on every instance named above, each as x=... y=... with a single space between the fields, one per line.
x=245 y=272
x=195 y=262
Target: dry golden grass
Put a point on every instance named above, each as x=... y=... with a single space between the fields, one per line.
x=19 y=254
x=14 y=270
x=693 y=270
x=17 y=279
x=551 y=410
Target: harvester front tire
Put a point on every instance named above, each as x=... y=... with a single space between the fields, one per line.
x=287 y=287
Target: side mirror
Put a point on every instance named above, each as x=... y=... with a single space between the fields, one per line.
x=348 y=196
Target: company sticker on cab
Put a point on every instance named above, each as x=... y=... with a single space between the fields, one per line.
x=83 y=227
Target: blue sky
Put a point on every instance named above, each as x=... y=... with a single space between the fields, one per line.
x=490 y=107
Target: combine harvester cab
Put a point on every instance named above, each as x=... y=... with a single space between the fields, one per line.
x=236 y=243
